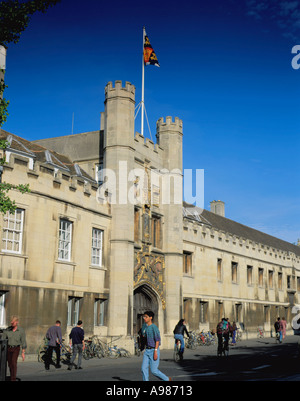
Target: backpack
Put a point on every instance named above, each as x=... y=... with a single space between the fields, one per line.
x=225 y=325
x=142 y=338
x=222 y=327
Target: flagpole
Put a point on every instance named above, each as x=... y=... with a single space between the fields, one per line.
x=143 y=84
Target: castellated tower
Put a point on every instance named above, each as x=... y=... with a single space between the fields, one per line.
x=169 y=138
x=119 y=158
x=122 y=151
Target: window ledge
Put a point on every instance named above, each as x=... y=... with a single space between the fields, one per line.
x=18 y=255
x=98 y=267
x=65 y=262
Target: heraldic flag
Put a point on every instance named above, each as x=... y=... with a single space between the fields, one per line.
x=149 y=54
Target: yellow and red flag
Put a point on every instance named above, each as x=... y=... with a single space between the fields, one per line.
x=149 y=54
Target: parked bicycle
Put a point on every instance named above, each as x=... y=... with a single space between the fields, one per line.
x=41 y=351
x=260 y=332
x=115 y=352
x=210 y=338
x=198 y=339
x=201 y=339
x=98 y=348
x=192 y=341
x=92 y=349
x=65 y=352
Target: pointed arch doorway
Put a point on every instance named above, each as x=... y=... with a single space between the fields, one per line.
x=144 y=299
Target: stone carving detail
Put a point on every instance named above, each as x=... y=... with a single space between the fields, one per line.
x=149 y=268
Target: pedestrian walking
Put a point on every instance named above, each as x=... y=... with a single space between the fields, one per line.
x=152 y=352
x=278 y=330
x=233 y=331
x=77 y=343
x=222 y=333
x=55 y=339
x=16 y=340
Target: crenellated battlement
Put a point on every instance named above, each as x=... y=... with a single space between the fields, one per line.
x=169 y=136
x=168 y=124
x=146 y=148
x=118 y=90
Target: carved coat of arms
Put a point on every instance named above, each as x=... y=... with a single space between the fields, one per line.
x=149 y=269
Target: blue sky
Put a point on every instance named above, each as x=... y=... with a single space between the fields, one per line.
x=225 y=71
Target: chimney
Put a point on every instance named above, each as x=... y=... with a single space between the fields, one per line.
x=218 y=207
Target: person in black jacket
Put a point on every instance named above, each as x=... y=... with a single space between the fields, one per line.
x=179 y=331
x=77 y=342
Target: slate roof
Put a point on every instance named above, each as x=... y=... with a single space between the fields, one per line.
x=232 y=227
x=44 y=155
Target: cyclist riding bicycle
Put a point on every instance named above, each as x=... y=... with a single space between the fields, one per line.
x=223 y=332
x=179 y=331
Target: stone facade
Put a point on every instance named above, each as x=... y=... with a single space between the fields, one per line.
x=246 y=275
x=96 y=239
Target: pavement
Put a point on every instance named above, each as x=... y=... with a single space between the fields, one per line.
x=249 y=360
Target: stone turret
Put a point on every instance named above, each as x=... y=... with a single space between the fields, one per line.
x=119 y=158
x=169 y=138
x=119 y=114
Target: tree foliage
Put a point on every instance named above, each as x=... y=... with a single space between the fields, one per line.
x=3 y=103
x=15 y=16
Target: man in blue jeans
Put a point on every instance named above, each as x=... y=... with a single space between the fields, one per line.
x=77 y=341
x=151 y=353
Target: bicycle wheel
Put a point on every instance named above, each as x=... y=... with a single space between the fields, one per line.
x=86 y=353
x=104 y=348
x=99 y=351
x=113 y=354
x=124 y=353
x=66 y=356
x=177 y=356
x=41 y=353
